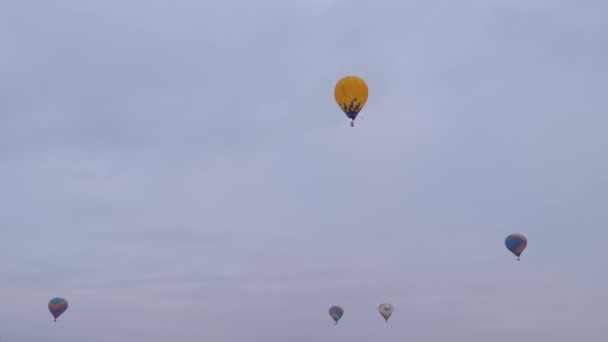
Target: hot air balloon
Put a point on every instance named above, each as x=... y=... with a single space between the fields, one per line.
x=516 y=243
x=351 y=94
x=57 y=306
x=386 y=310
x=336 y=313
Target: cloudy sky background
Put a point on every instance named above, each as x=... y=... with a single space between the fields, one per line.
x=179 y=170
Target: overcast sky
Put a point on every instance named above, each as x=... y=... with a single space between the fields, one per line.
x=180 y=171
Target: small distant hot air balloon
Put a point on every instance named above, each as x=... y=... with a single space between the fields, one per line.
x=351 y=94
x=386 y=310
x=336 y=313
x=57 y=306
x=516 y=243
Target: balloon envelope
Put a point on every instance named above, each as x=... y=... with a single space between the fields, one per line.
x=386 y=310
x=336 y=313
x=57 y=306
x=516 y=243
x=351 y=95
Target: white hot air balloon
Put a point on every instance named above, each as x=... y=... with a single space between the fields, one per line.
x=386 y=310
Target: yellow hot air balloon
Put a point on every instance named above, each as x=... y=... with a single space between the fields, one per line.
x=351 y=94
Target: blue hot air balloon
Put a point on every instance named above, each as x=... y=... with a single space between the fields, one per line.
x=516 y=243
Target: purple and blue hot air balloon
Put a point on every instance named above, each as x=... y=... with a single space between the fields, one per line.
x=516 y=243
x=57 y=306
x=336 y=313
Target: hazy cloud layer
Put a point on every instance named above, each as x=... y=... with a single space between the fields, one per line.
x=179 y=170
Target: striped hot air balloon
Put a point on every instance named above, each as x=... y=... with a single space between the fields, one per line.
x=57 y=306
x=336 y=313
